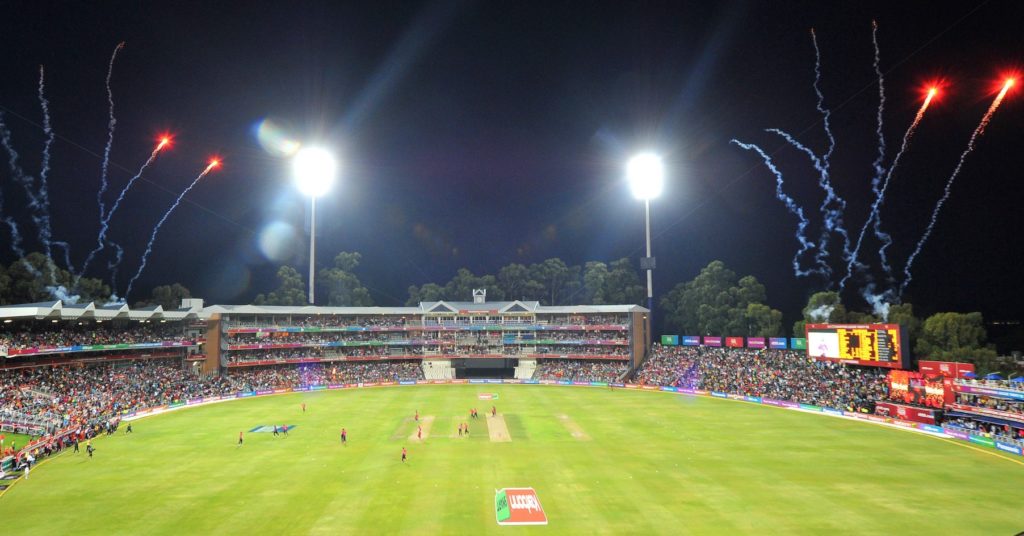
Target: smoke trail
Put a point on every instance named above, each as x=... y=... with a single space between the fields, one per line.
x=880 y=303
x=112 y=266
x=821 y=313
x=156 y=229
x=791 y=205
x=41 y=203
x=832 y=216
x=876 y=206
x=105 y=220
x=879 y=168
x=110 y=132
x=67 y=254
x=949 y=183
x=826 y=114
x=12 y=161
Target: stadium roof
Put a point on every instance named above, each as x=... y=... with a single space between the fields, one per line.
x=58 y=310
x=193 y=309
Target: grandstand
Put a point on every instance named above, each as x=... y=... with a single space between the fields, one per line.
x=449 y=340
x=69 y=373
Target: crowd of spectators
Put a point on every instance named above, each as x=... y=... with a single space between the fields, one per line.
x=587 y=320
x=775 y=374
x=579 y=370
x=997 y=384
x=318 y=321
x=334 y=352
x=86 y=334
x=999 y=404
x=1004 y=433
x=324 y=374
x=310 y=338
x=581 y=350
x=58 y=397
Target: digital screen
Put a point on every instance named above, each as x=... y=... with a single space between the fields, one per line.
x=879 y=345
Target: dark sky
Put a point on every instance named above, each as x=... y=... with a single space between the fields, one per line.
x=478 y=134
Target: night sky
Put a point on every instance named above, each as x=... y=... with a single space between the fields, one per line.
x=478 y=134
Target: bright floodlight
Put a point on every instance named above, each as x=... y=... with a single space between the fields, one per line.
x=314 y=170
x=646 y=174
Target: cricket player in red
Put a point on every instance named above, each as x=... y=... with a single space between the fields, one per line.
x=419 y=432
x=494 y=411
x=403 y=454
x=303 y=407
x=344 y=437
x=417 y=416
x=239 y=439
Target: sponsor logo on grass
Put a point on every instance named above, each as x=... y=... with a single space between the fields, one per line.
x=487 y=396
x=269 y=429
x=518 y=506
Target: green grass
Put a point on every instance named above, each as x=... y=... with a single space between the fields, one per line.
x=648 y=463
x=18 y=439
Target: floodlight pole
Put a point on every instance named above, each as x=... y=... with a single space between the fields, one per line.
x=650 y=284
x=312 y=244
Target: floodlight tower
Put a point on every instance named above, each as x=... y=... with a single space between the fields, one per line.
x=314 y=170
x=646 y=175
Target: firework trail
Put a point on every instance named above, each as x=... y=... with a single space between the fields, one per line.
x=105 y=220
x=791 y=205
x=833 y=216
x=149 y=246
x=875 y=215
x=12 y=161
x=18 y=174
x=879 y=168
x=41 y=203
x=949 y=183
x=878 y=163
x=112 y=266
x=110 y=132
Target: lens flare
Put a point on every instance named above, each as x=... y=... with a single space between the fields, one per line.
x=275 y=139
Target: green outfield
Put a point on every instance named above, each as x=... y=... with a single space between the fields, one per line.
x=601 y=461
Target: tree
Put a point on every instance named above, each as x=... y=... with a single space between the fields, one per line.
x=342 y=286
x=169 y=296
x=552 y=274
x=945 y=332
x=763 y=321
x=460 y=287
x=513 y=280
x=957 y=336
x=715 y=302
x=36 y=278
x=822 y=307
x=623 y=284
x=595 y=277
x=429 y=292
x=903 y=314
x=291 y=291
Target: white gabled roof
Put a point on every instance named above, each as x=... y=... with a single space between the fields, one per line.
x=580 y=309
x=306 y=310
x=78 y=311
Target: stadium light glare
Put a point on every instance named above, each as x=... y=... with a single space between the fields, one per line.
x=646 y=175
x=314 y=170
